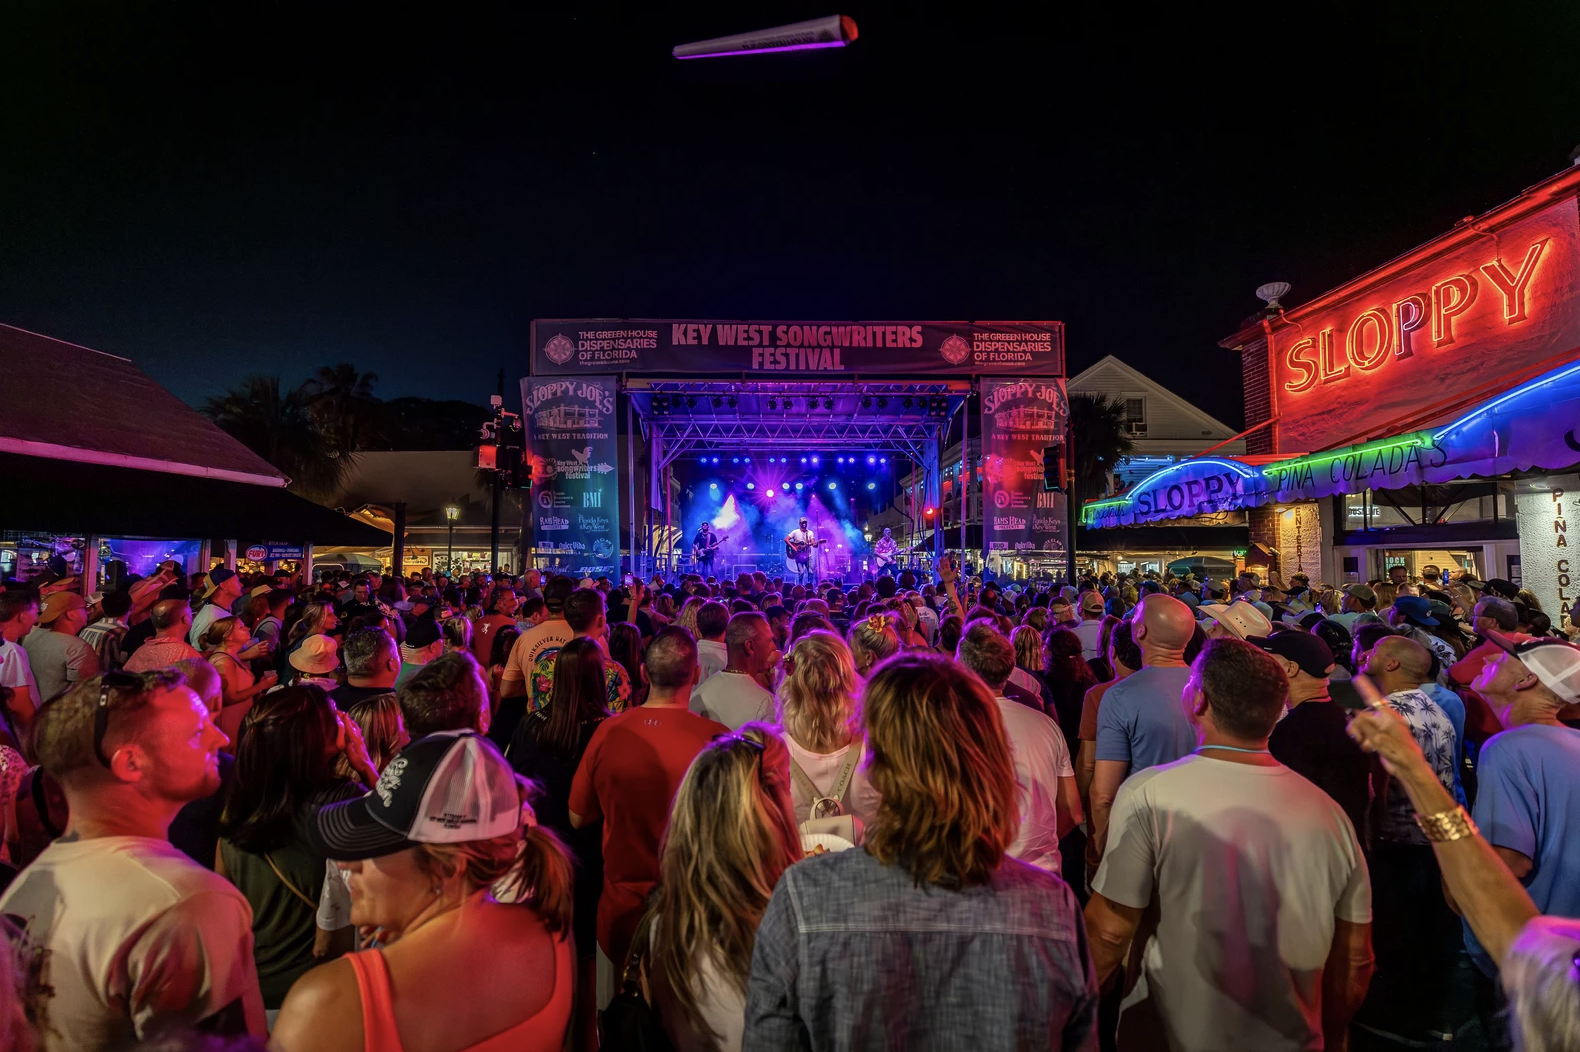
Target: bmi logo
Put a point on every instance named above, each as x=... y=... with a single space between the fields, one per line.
x=560 y=350
x=592 y=499
x=1050 y=499
x=955 y=350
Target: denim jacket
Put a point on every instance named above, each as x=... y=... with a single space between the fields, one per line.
x=851 y=954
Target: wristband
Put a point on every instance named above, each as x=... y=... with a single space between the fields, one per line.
x=1447 y=825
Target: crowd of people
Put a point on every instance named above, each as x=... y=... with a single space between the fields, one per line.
x=499 y=812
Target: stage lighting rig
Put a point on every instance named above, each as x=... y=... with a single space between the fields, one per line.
x=883 y=403
x=828 y=403
x=772 y=404
x=661 y=405
x=717 y=401
x=938 y=407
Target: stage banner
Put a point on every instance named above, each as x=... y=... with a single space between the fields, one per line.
x=781 y=350
x=572 y=449
x=1020 y=418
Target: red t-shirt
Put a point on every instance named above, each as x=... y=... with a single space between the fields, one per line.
x=1481 y=722
x=628 y=778
x=483 y=632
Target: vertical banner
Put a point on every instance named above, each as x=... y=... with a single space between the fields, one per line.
x=1020 y=418
x=572 y=447
x=1546 y=507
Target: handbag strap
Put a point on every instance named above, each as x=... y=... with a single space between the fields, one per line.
x=836 y=792
x=292 y=888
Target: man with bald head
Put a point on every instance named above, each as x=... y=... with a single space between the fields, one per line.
x=1416 y=936
x=1142 y=723
x=171 y=619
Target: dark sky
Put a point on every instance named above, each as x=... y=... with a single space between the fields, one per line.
x=212 y=194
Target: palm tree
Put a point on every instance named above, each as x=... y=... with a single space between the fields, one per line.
x=1097 y=432
x=280 y=427
x=341 y=401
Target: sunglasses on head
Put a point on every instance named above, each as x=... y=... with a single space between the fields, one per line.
x=101 y=716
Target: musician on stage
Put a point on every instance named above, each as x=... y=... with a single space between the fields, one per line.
x=885 y=554
x=798 y=551
x=703 y=547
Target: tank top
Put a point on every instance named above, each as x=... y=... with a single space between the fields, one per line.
x=543 y=1031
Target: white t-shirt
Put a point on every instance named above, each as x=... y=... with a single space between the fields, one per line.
x=531 y=644
x=15 y=671
x=1091 y=635
x=861 y=799
x=732 y=698
x=139 y=937
x=799 y=536
x=1250 y=866
x=1042 y=757
x=712 y=656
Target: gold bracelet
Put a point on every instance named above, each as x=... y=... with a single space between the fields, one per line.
x=1447 y=825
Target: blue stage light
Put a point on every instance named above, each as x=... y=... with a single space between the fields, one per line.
x=815 y=460
x=803 y=460
x=872 y=460
x=735 y=460
x=751 y=485
x=798 y=486
x=883 y=460
x=747 y=460
x=872 y=485
x=713 y=485
x=831 y=486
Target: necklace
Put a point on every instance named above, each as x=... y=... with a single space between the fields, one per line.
x=1232 y=748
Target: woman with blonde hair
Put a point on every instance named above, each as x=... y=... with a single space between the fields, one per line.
x=906 y=622
x=731 y=836
x=834 y=955
x=687 y=618
x=817 y=714
x=457 y=634
x=223 y=643
x=872 y=640
x=1029 y=658
x=318 y=619
x=489 y=884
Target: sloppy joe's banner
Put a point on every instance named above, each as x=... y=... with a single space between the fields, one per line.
x=1021 y=418
x=572 y=450
x=786 y=350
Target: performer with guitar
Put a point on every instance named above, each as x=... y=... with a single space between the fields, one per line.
x=703 y=547
x=798 y=551
x=885 y=554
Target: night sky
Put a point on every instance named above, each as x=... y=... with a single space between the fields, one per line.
x=213 y=195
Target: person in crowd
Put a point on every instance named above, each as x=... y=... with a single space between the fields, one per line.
x=447 y=694
x=105 y=634
x=57 y=657
x=1061 y=612
x=1141 y=723
x=818 y=719
x=225 y=646
x=1032 y=661
x=1230 y=844
x=372 y=663
x=735 y=695
x=486 y=883
x=1050 y=804
x=687 y=618
x=625 y=648
x=504 y=641
x=553 y=633
x=1359 y=606
x=315 y=660
x=383 y=730
x=224 y=588
x=547 y=747
x=1313 y=740
x=731 y=835
x=316 y=619
x=457 y=633
x=1124 y=657
x=713 y=618
x=626 y=780
x=872 y=640
x=1237 y=620
x=502 y=606
x=1069 y=677
x=1536 y=953
x=1339 y=643
x=927 y=617
x=18 y=615
x=1490 y=613
x=834 y=963
x=1528 y=800
x=424 y=644
x=587 y=617
x=1412 y=616
x=268 y=628
x=171 y=618
x=285 y=771
x=141 y=940
x=1417 y=934
x=1090 y=630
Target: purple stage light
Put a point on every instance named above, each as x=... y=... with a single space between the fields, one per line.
x=827 y=32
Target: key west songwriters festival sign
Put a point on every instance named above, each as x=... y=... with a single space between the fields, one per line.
x=572 y=452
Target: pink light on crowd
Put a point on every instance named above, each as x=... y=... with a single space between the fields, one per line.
x=832 y=31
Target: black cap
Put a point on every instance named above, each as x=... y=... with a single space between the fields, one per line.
x=424 y=632
x=1313 y=656
x=556 y=591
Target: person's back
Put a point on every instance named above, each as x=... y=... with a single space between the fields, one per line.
x=1142 y=721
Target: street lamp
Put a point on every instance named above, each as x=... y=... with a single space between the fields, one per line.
x=451 y=513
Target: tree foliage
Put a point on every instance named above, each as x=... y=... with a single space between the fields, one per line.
x=1097 y=430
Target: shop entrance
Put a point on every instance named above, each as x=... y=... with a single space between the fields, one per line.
x=1414 y=560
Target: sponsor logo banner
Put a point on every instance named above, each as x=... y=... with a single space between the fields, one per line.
x=1020 y=418
x=571 y=450
x=785 y=350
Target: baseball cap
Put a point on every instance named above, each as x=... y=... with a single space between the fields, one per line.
x=424 y=632
x=1555 y=662
x=317 y=655
x=452 y=787
x=1241 y=619
x=1313 y=656
x=1416 y=609
x=1498 y=586
x=216 y=577
x=1091 y=602
x=556 y=591
x=1363 y=592
x=58 y=604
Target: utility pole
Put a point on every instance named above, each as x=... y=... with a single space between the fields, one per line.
x=496 y=454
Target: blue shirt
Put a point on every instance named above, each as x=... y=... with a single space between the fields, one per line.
x=1142 y=720
x=1453 y=707
x=1528 y=798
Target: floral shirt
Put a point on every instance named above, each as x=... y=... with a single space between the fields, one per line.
x=1434 y=733
x=542 y=682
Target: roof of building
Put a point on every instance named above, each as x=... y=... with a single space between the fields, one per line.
x=1108 y=375
x=65 y=402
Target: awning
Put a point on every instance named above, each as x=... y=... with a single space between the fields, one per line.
x=67 y=497
x=1177 y=539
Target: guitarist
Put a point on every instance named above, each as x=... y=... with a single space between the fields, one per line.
x=703 y=547
x=885 y=554
x=798 y=549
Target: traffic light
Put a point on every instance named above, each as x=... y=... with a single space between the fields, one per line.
x=1053 y=468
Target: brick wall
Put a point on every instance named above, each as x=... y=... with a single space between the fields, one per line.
x=1264 y=526
x=1258 y=396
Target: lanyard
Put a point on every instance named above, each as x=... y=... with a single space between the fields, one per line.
x=1231 y=748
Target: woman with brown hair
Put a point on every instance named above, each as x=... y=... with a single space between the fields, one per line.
x=1070 y=677
x=687 y=618
x=818 y=715
x=1006 y=964
x=731 y=835
x=625 y=647
x=872 y=639
x=437 y=890
x=1029 y=658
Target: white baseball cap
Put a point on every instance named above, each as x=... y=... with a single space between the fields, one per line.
x=1555 y=662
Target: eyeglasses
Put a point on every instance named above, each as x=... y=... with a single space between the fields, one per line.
x=101 y=716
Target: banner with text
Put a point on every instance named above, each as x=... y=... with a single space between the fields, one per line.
x=776 y=350
x=572 y=449
x=1020 y=418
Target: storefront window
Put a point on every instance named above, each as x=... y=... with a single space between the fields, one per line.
x=1410 y=506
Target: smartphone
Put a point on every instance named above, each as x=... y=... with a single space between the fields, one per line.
x=1344 y=694
x=629 y=580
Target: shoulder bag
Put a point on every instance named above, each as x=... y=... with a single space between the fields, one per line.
x=828 y=811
